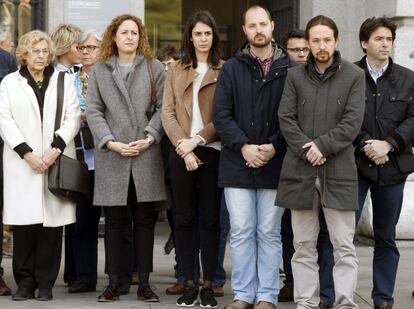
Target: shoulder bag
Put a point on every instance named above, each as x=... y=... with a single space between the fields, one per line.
x=68 y=178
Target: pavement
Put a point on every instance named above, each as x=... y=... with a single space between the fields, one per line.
x=163 y=277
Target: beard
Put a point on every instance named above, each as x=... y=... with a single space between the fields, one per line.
x=323 y=57
x=260 y=40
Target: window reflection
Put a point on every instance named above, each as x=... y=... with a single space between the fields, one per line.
x=19 y=23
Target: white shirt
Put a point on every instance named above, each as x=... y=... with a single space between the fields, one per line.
x=196 y=120
x=376 y=74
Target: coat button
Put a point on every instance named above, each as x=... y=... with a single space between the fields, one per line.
x=379 y=94
x=373 y=94
x=369 y=165
x=276 y=74
x=263 y=80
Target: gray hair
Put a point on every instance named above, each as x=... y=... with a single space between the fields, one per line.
x=85 y=34
x=4 y=31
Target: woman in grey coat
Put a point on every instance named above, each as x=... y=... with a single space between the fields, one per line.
x=127 y=129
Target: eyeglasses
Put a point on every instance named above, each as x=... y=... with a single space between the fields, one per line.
x=38 y=51
x=298 y=49
x=89 y=48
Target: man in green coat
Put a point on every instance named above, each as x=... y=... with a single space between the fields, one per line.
x=320 y=115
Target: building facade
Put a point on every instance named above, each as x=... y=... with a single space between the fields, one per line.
x=165 y=19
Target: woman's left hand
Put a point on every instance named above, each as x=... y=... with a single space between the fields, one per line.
x=50 y=157
x=185 y=146
x=141 y=145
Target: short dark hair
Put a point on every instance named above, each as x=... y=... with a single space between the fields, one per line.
x=324 y=21
x=372 y=24
x=292 y=34
x=187 y=46
x=256 y=7
x=167 y=52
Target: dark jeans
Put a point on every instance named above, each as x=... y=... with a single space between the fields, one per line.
x=144 y=216
x=85 y=238
x=185 y=186
x=386 y=209
x=36 y=255
x=325 y=257
x=220 y=274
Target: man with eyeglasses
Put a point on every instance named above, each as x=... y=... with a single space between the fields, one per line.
x=296 y=45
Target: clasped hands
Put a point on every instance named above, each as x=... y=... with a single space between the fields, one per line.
x=257 y=155
x=41 y=164
x=377 y=151
x=184 y=149
x=313 y=154
x=131 y=149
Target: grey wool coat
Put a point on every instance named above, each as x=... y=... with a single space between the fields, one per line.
x=118 y=112
x=328 y=111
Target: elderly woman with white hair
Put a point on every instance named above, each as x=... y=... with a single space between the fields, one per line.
x=85 y=234
x=28 y=103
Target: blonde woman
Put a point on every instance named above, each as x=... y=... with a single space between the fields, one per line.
x=27 y=116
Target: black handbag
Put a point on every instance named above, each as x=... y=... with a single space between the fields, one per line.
x=68 y=178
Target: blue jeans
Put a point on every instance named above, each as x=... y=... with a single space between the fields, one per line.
x=255 y=242
x=386 y=209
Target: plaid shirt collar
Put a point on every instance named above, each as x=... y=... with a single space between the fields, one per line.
x=266 y=63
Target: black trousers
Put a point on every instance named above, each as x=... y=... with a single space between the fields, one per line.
x=144 y=217
x=85 y=238
x=36 y=255
x=185 y=187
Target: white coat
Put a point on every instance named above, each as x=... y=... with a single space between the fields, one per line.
x=27 y=199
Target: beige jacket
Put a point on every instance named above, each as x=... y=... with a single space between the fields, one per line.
x=177 y=108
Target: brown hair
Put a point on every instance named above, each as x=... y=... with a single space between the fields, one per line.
x=187 y=46
x=109 y=48
x=324 y=21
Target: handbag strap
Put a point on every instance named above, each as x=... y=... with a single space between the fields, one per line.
x=151 y=76
x=60 y=94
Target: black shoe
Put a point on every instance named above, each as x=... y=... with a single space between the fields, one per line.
x=23 y=293
x=189 y=297
x=145 y=293
x=44 y=295
x=207 y=299
x=80 y=287
x=110 y=294
x=124 y=289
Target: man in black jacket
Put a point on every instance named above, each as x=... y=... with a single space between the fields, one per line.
x=246 y=101
x=384 y=153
